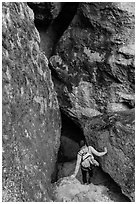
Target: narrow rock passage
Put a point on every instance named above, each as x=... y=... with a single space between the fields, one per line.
x=102 y=187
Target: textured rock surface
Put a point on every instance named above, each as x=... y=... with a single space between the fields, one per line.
x=117 y=133
x=93 y=63
x=31 y=119
x=68 y=190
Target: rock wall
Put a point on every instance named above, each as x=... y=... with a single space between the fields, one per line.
x=31 y=118
x=94 y=60
x=116 y=132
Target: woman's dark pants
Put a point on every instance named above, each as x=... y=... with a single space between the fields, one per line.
x=87 y=173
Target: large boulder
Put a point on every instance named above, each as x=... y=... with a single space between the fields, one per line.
x=31 y=117
x=71 y=190
x=116 y=132
x=93 y=65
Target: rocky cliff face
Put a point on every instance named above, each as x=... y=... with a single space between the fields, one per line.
x=94 y=60
x=31 y=118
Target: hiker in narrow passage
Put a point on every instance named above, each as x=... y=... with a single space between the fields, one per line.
x=85 y=160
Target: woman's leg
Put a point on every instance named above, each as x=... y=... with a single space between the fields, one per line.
x=90 y=174
x=84 y=175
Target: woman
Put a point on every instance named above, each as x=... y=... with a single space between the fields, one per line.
x=85 y=160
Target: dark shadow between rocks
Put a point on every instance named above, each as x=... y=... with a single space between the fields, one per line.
x=51 y=30
x=114 y=190
x=71 y=135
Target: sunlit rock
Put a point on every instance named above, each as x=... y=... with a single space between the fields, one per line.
x=31 y=119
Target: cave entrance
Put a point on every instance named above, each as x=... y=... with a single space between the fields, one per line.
x=71 y=135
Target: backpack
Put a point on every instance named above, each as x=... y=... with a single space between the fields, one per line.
x=84 y=155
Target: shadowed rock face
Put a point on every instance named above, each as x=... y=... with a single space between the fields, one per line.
x=55 y=19
x=31 y=119
x=116 y=132
x=45 y=12
x=94 y=60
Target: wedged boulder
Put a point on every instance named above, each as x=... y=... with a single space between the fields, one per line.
x=116 y=132
x=69 y=190
x=93 y=64
x=31 y=117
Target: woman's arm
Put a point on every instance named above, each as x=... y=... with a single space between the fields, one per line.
x=99 y=154
x=77 y=165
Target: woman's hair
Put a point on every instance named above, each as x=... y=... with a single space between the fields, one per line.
x=82 y=143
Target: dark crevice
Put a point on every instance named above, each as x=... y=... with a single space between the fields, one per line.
x=111 y=76
x=129 y=104
x=52 y=30
x=71 y=126
x=71 y=135
x=61 y=23
x=41 y=20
